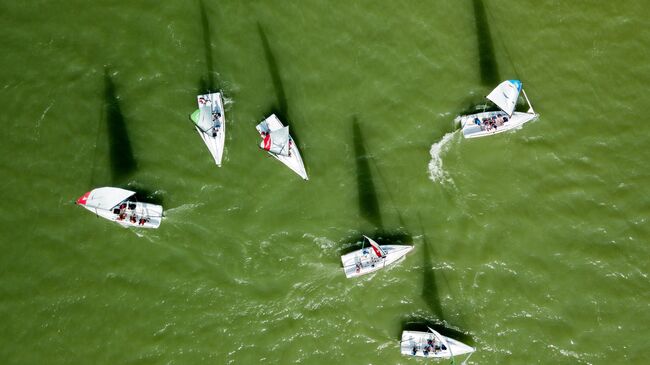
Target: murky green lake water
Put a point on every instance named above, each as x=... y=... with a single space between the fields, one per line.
x=531 y=246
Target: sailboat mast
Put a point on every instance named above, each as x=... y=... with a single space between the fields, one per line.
x=528 y=101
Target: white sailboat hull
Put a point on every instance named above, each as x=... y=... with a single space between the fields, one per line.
x=363 y=261
x=152 y=214
x=414 y=343
x=294 y=162
x=472 y=130
x=215 y=143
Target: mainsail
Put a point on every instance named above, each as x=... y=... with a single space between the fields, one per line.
x=376 y=248
x=505 y=95
x=104 y=198
x=209 y=113
x=277 y=141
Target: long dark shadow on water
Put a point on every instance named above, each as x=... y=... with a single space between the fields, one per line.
x=400 y=219
x=281 y=107
x=207 y=83
x=430 y=293
x=368 y=202
x=487 y=58
x=122 y=162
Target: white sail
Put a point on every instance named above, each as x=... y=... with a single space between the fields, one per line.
x=289 y=153
x=505 y=95
x=104 y=198
x=277 y=141
x=209 y=112
x=379 y=252
x=210 y=122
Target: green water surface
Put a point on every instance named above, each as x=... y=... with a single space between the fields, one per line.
x=531 y=246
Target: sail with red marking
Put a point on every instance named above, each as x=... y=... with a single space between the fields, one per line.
x=277 y=141
x=104 y=198
x=266 y=143
x=373 y=258
x=379 y=252
x=83 y=199
x=120 y=206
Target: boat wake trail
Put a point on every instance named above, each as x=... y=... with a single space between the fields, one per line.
x=179 y=211
x=436 y=171
x=227 y=101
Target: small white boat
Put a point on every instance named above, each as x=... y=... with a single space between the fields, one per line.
x=372 y=258
x=505 y=96
x=432 y=344
x=277 y=141
x=119 y=205
x=210 y=121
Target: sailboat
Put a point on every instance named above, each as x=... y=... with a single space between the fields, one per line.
x=373 y=258
x=505 y=96
x=432 y=344
x=210 y=121
x=277 y=141
x=119 y=205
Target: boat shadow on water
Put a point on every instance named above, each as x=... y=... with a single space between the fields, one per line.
x=430 y=292
x=122 y=160
x=475 y=104
x=431 y=297
x=280 y=107
x=366 y=190
x=487 y=59
x=143 y=194
x=207 y=82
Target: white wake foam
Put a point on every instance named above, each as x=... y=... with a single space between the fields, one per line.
x=188 y=207
x=436 y=170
